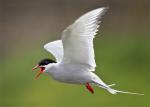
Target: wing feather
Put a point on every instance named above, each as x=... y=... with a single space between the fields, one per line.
x=56 y=49
x=77 y=39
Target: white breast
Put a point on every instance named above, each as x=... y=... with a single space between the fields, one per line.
x=69 y=74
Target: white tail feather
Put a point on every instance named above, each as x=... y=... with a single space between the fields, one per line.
x=111 y=85
x=113 y=91
x=97 y=81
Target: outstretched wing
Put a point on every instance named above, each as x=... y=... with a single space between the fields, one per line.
x=77 y=39
x=56 y=49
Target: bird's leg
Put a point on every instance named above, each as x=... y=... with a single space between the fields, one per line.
x=89 y=87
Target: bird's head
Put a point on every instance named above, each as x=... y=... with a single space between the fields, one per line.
x=42 y=65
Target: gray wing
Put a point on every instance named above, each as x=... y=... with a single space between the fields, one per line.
x=77 y=39
x=56 y=49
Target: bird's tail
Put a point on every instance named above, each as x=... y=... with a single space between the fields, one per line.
x=113 y=91
x=111 y=85
x=97 y=81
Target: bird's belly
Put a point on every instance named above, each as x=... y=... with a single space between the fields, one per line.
x=75 y=77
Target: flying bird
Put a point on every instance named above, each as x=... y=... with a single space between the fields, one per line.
x=74 y=53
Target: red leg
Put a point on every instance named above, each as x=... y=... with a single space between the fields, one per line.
x=89 y=87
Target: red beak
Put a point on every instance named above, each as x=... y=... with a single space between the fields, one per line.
x=37 y=66
x=40 y=72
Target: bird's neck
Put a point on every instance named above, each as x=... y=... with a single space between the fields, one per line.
x=50 y=67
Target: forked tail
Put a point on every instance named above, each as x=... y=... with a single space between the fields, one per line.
x=97 y=81
x=113 y=91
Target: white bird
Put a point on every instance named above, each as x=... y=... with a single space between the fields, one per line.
x=74 y=53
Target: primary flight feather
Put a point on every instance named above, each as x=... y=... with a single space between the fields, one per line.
x=74 y=54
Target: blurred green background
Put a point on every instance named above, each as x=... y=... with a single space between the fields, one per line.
x=122 y=49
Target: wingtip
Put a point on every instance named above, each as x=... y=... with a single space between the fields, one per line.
x=102 y=10
x=105 y=8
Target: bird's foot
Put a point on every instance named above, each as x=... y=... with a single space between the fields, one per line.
x=89 y=87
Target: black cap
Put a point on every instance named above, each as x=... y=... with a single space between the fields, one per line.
x=46 y=61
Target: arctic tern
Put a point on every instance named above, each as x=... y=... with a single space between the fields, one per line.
x=74 y=53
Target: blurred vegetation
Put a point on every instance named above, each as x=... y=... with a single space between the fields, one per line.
x=122 y=49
